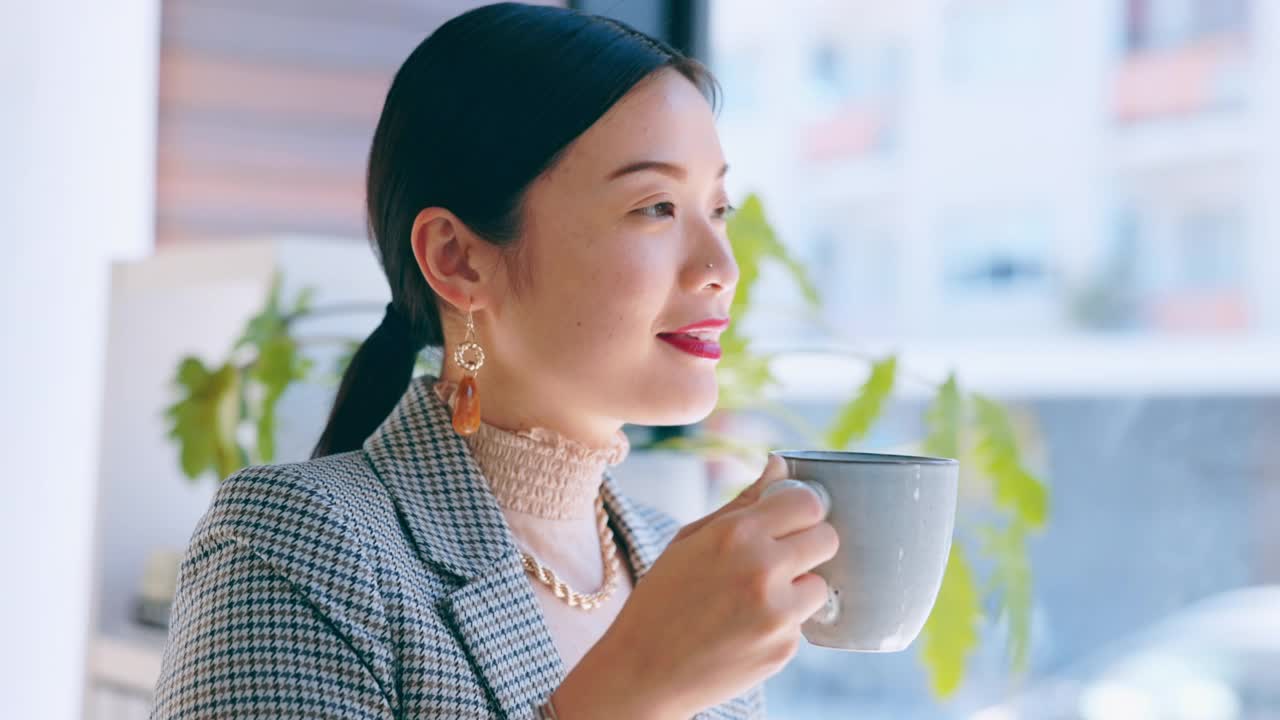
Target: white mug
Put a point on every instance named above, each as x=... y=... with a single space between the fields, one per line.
x=895 y=515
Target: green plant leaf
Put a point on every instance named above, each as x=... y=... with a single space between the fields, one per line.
x=279 y=363
x=228 y=454
x=303 y=303
x=859 y=414
x=743 y=376
x=943 y=420
x=191 y=372
x=1011 y=584
x=269 y=322
x=951 y=633
x=754 y=240
x=195 y=447
x=1015 y=488
x=204 y=419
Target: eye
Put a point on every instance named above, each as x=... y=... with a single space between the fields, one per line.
x=660 y=209
x=724 y=211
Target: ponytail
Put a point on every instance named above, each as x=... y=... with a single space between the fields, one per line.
x=376 y=378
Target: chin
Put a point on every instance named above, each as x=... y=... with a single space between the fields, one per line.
x=673 y=403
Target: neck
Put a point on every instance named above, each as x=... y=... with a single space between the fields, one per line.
x=536 y=470
x=511 y=402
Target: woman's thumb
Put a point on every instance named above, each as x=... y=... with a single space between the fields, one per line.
x=775 y=469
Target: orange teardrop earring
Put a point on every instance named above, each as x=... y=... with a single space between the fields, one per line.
x=466 y=404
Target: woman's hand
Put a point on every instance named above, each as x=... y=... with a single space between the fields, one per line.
x=719 y=612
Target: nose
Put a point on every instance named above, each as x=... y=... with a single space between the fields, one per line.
x=714 y=267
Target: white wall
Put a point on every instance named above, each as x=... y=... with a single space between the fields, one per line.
x=195 y=300
x=77 y=128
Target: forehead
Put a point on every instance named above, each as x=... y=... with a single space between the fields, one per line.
x=664 y=117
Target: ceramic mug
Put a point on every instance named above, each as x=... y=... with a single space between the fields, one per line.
x=895 y=515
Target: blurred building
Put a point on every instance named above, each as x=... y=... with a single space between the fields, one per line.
x=995 y=168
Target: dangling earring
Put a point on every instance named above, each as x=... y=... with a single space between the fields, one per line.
x=466 y=404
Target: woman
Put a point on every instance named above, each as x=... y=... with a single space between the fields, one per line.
x=545 y=189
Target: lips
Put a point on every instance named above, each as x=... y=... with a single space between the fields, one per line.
x=699 y=339
x=693 y=345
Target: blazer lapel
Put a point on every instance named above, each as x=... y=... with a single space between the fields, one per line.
x=643 y=542
x=498 y=621
x=456 y=527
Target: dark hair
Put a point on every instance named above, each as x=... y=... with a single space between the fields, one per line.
x=479 y=109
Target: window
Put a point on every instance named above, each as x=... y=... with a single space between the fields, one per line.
x=1072 y=205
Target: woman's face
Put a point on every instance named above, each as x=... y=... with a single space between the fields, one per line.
x=623 y=240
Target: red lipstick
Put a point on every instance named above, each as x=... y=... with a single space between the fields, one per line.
x=699 y=339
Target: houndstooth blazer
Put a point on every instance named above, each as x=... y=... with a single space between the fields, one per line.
x=377 y=583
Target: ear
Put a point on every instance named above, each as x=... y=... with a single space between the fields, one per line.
x=460 y=267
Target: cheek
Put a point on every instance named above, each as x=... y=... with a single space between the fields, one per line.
x=620 y=297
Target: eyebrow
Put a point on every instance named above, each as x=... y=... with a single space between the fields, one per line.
x=665 y=168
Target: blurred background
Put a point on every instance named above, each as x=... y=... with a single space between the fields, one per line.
x=1071 y=204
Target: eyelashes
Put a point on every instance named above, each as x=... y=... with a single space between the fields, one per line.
x=668 y=209
x=658 y=210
